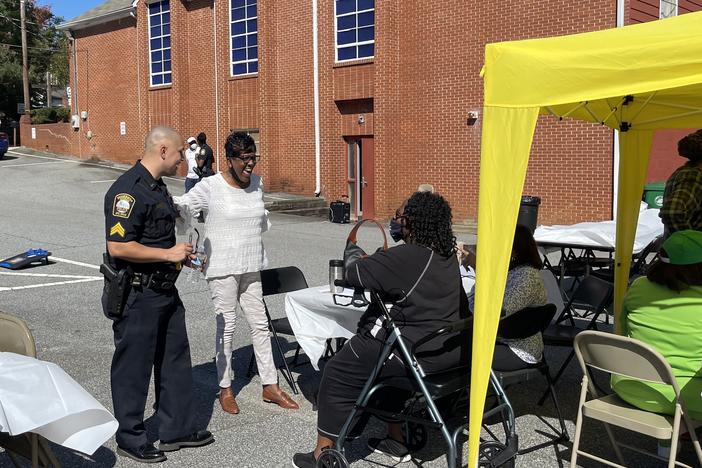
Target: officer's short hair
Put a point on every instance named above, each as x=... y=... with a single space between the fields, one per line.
x=158 y=134
x=201 y=138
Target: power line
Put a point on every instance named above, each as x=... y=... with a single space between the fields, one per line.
x=37 y=48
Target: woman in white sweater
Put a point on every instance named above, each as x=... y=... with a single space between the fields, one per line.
x=235 y=219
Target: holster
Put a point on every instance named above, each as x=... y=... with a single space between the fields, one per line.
x=116 y=290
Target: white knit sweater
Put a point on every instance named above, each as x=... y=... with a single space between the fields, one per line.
x=234 y=221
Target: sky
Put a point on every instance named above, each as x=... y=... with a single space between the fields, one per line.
x=70 y=8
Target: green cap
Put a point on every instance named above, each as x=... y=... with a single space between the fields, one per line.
x=683 y=248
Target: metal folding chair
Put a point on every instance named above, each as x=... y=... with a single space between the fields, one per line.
x=634 y=359
x=15 y=337
x=520 y=325
x=592 y=296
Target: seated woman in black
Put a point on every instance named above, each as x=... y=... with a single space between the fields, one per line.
x=422 y=281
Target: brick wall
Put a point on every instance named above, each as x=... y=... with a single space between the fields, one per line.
x=414 y=97
x=59 y=138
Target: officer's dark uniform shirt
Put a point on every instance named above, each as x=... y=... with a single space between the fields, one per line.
x=139 y=208
x=208 y=157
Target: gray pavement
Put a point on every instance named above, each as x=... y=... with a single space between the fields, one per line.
x=56 y=204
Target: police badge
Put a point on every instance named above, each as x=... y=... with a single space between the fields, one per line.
x=122 y=206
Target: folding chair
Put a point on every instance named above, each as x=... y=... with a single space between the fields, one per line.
x=592 y=295
x=520 y=325
x=15 y=337
x=278 y=281
x=553 y=290
x=629 y=358
x=640 y=263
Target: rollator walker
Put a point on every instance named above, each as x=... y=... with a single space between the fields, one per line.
x=449 y=389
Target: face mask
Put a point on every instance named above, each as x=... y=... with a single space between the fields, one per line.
x=396 y=231
x=193 y=146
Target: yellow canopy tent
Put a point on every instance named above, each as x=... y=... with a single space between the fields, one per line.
x=635 y=79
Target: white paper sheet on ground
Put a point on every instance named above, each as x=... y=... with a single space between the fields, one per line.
x=602 y=234
x=38 y=396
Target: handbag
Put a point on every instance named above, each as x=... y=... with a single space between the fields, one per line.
x=353 y=251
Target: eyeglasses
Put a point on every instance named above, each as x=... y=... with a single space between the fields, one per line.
x=247 y=158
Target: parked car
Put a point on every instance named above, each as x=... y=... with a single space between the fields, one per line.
x=4 y=144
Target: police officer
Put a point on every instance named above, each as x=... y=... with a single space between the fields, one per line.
x=149 y=318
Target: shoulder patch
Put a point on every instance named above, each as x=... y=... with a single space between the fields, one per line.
x=117 y=229
x=122 y=205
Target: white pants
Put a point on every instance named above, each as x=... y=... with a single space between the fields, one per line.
x=227 y=292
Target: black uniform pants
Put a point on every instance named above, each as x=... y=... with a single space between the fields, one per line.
x=152 y=334
x=343 y=379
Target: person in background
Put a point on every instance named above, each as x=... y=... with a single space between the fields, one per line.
x=191 y=153
x=682 y=198
x=206 y=157
x=235 y=220
x=420 y=279
x=525 y=288
x=664 y=310
x=149 y=329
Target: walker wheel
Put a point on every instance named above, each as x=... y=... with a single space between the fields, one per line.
x=415 y=436
x=332 y=458
x=489 y=451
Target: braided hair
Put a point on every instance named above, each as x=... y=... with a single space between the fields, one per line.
x=428 y=217
x=690 y=147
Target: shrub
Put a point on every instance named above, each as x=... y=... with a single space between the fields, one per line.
x=50 y=115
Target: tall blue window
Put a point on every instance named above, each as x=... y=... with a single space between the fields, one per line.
x=160 y=42
x=355 y=29
x=244 y=29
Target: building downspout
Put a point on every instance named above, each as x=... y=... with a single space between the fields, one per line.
x=138 y=67
x=216 y=77
x=315 y=69
x=615 y=156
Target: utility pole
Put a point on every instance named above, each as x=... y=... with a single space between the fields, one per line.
x=25 y=65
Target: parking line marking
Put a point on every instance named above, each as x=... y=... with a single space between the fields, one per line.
x=5 y=166
x=48 y=275
x=57 y=283
x=73 y=262
x=102 y=181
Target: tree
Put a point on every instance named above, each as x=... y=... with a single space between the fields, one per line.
x=47 y=52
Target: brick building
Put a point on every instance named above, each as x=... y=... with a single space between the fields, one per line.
x=366 y=98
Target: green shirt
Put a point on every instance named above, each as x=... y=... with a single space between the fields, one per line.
x=671 y=323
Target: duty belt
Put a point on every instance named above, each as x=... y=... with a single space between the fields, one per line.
x=160 y=280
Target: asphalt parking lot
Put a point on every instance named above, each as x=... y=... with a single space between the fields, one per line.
x=56 y=204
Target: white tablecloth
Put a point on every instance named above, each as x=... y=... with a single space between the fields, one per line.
x=39 y=397
x=314 y=317
x=601 y=234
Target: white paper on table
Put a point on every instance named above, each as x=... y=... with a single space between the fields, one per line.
x=314 y=318
x=38 y=396
x=602 y=234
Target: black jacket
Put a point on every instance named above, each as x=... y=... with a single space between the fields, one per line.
x=426 y=292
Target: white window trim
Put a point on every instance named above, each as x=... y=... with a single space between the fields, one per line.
x=664 y=3
x=352 y=44
x=162 y=73
x=246 y=34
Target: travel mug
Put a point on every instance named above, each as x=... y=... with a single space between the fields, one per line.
x=336 y=272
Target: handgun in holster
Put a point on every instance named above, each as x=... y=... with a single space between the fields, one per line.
x=116 y=290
